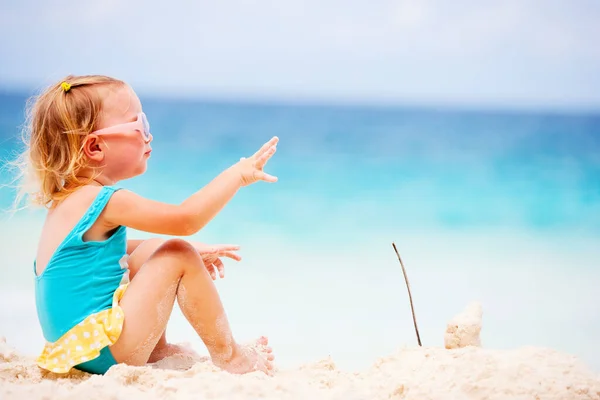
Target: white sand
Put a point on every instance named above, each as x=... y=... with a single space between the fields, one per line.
x=463 y=372
x=465 y=328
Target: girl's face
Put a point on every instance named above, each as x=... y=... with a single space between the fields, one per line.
x=123 y=151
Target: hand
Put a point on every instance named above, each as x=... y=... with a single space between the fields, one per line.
x=251 y=169
x=211 y=255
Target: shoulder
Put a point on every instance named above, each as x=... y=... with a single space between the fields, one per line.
x=82 y=197
x=89 y=202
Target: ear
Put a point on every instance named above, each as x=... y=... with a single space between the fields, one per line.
x=94 y=148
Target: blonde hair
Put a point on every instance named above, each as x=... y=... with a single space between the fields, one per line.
x=57 y=121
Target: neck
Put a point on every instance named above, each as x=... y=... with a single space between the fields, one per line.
x=98 y=179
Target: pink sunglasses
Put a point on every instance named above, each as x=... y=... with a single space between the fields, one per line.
x=140 y=124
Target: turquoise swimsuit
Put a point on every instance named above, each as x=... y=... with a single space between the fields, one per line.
x=77 y=296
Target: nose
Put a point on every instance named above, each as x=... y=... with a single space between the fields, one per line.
x=150 y=138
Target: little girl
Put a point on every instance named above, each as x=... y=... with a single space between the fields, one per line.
x=101 y=299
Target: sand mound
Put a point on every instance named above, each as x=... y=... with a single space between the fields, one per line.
x=464 y=329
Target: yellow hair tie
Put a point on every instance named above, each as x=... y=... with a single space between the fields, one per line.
x=65 y=86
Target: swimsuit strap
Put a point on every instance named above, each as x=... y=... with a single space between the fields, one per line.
x=94 y=211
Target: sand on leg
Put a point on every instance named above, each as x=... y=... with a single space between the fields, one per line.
x=175 y=270
x=137 y=258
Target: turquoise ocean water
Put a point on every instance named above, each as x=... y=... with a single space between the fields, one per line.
x=492 y=206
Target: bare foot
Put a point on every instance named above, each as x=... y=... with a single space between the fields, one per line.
x=249 y=358
x=160 y=353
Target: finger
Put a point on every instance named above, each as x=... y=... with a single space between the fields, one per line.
x=211 y=270
x=227 y=247
x=232 y=255
x=266 y=146
x=220 y=268
x=262 y=176
x=265 y=157
x=208 y=258
x=207 y=251
x=261 y=160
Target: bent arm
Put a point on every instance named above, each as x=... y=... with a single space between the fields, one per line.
x=136 y=212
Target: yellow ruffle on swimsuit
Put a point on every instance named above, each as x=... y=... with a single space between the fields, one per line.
x=85 y=340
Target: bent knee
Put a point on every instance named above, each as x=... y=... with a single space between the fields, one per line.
x=177 y=247
x=177 y=255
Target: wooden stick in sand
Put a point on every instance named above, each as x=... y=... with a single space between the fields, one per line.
x=412 y=308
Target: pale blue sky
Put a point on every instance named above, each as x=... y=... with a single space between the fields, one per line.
x=515 y=53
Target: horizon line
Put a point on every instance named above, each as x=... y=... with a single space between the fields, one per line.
x=481 y=106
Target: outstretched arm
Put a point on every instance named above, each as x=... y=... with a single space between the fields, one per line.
x=134 y=211
x=131 y=210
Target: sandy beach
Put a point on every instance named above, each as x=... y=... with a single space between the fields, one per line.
x=461 y=370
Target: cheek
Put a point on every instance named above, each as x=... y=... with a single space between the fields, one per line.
x=128 y=149
x=126 y=156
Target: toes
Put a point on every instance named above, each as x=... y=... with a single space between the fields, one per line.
x=263 y=340
x=270 y=357
x=268 y=349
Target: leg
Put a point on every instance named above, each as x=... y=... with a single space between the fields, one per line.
x=138 y=257
x=175 y=270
